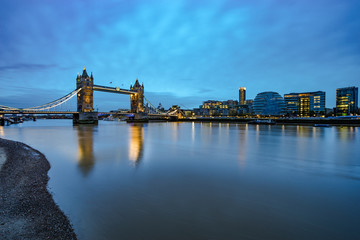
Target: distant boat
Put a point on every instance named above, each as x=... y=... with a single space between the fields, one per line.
x=263 y=121
x=322 y=125
x=109 y=119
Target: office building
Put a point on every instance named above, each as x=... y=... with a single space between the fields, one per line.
x=346 y=101
x=305 y=104
x=268 y=103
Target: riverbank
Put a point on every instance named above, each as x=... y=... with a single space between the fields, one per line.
x=280 y=121
x=27 y=209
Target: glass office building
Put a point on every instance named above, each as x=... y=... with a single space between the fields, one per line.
x=305 y=104
x=292 y=103
x=346 y=101
x=269 y=103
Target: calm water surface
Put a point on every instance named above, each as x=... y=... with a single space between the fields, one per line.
x=201 y=180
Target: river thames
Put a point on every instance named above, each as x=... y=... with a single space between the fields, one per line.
x=170 y=180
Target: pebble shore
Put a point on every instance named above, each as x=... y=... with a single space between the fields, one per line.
x=27 y=209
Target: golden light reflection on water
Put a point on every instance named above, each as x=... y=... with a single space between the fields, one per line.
x=283 y=130
x=346 y=133
x=174 y=130
x=86 y=157
x=304 y=131
x=206 y=132
x=136 y=143
x=2 y=134
x=314 y=129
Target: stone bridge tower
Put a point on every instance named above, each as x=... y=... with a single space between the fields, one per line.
x=85 y=96
x=85 y=103
x=137 y=99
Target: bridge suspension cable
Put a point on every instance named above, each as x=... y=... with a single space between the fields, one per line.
x=55 y=103
x=168 y=113
x=8 y=108
x=152 y=107
x=49 y=105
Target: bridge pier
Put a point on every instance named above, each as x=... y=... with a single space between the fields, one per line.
x=85 y=118
x=138 y=118
x=174 y=118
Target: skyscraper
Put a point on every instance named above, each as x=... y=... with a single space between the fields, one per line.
x=242 y=95
x=346 y=101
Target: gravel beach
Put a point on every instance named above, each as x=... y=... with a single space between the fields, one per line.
x=27 y=209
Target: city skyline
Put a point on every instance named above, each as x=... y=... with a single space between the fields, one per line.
x=184 y=52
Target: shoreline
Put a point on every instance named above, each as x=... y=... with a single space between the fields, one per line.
x=281 y=121
x=27 y=209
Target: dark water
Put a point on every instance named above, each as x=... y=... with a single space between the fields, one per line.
x=201 y=181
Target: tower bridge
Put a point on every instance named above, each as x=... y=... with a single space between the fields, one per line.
x=85 y=113
x=85 y=104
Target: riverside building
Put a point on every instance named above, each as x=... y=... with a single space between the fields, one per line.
x=221 y=108
x=305 y=104
x=346 y=101
x=242 y=95
x=269 y=103
x=212 y=108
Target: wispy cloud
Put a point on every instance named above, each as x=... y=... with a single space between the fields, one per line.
x=27 y=67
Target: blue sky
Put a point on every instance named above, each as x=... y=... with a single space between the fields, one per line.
x=184 y=52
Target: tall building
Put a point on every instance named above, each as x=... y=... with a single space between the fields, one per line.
x=242 y=95
x=305 y=104
x=346 y=101
x=269 y=103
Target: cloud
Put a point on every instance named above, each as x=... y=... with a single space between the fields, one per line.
x=188 y=49
x=27 y=67
x=205 y=90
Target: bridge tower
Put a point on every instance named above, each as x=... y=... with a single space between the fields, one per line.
x=137 y=99
x=85 y=96
x=85 y=106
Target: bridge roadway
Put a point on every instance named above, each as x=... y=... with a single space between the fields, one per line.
x=113 y=90
x=36 y=112
x=67 y=112
x=51 y=112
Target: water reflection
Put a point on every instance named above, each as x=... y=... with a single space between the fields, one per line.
x=346 y=133
x=136 y=143
x=243 y=143
x=287 y=175
x=175 y=130
x=86 y=157
x=193 y=132
x=304 y=131
x=2 y=131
